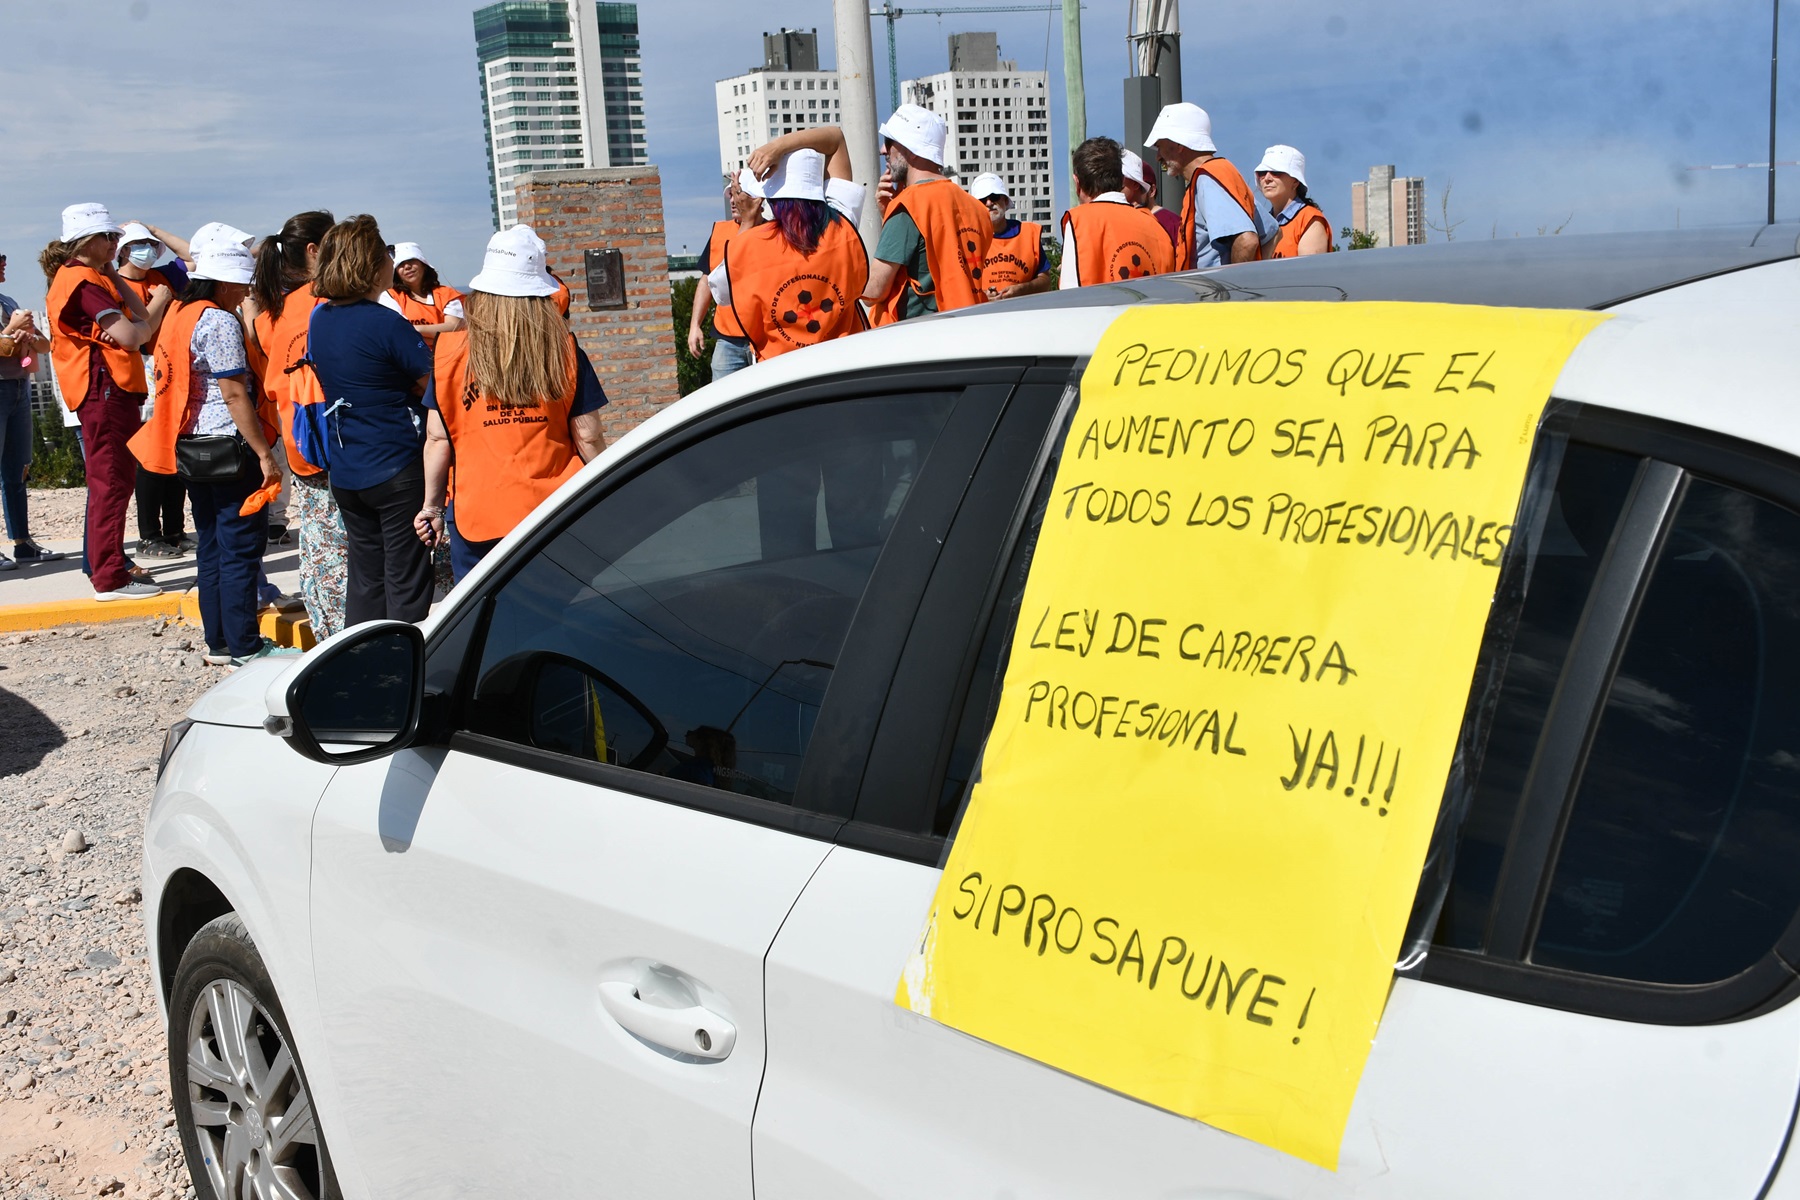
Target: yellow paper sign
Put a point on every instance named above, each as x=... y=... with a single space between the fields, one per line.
x=1234 y=693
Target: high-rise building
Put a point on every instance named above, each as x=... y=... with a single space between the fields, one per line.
x=1390 y=209
x=786 y=93
x=999 y=119
x=562 y=88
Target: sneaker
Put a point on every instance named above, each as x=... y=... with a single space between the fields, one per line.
x=135 y=590
x=268 y=649
x=285 y=602
x=216 y=658
x=157 y=549
x=29 y=551
x=187 y=544
x=277 y=535
x=7 y=564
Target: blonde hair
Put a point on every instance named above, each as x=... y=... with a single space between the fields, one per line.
x=351 y=257
x=520 y=351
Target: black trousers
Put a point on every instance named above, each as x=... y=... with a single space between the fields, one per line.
x=390 y=568
x=159 y=501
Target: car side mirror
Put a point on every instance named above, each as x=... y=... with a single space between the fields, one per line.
x=357 y=697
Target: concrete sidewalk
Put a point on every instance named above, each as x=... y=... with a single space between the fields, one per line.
x=49 y=594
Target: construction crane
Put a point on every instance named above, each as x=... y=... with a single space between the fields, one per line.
x=892 y=14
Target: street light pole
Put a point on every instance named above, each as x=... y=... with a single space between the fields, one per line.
x=856 y=92
x=1074 y=87
x=1774 y=62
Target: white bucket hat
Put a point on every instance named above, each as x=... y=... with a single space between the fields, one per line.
x=514 y=265
x=224 y=262
x=1136 y=170
x=134 y=232
x=749 y=184
x=1185 y=125
x=919 y=130
x=1285 y=159
x=217 y=233
x=404 y=251
x=798 y=176
x=85 y=220
x=988 y=184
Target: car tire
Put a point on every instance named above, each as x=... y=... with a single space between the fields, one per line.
x=241 y=1101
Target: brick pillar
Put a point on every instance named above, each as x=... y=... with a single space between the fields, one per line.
x=619 y=208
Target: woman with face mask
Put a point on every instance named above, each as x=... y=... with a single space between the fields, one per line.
x=423 y=300
x=161 y=499
x=97 y=325
x=209 y=396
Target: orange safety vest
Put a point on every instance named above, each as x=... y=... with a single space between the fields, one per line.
x=786 y=300
x=958 y=231
x=1226 y=176
x=1014 y=260
x=71 y=352
x=725 y=322
x=508 y=460
x=422 y=313
x=283 y=342
x=156 y=276
x=1115 y=241
x=562 y=296
x=154 y=443
x=1308 y=216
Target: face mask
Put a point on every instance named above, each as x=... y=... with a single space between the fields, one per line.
x=143 y=254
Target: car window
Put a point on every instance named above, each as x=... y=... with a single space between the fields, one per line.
x=1566 y=540
x=1678 y=863
x=687 y=624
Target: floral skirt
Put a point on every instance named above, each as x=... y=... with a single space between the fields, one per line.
x=324 y=553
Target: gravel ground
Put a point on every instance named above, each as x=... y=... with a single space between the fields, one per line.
x=84 y=1105
x=56 y=513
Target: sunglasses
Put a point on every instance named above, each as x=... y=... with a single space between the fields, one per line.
x=1260 y=174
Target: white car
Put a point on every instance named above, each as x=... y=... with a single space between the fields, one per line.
x=600 y=880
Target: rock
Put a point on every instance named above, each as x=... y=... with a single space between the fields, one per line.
x=74 y=843
x=119 y=1147
x=101 y=958
x=150 y=1089
x=130 y=895
x=88 y=635
x=124 y=690
x=37 y=803
x=129 y=1013
x=21 y=1082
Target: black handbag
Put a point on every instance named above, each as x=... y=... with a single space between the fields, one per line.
x=209 y=457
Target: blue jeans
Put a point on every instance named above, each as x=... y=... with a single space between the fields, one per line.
x=15 y=454
x=730 y=354
x=464 y=554
x=229 y=560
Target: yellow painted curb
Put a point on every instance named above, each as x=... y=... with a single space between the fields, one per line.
x=16 y=618
x=284 y=629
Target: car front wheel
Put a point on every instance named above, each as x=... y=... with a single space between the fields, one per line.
x=241 y=1101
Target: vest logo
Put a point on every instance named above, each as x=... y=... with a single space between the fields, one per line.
x=968 y=250
x=803 y=307
x=1131 y=260
x=471 y=393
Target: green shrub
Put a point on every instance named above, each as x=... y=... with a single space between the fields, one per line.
x=56 y=455
x=691 y=373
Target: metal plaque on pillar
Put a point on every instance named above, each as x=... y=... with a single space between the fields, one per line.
x=605 y=278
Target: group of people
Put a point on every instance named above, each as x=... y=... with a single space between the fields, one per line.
x=787 y=270
x=320 y=362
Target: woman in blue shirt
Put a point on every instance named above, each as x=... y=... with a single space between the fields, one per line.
x=373 y=367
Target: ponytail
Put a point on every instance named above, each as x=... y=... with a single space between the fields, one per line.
x=54 y=256
x=281 y=259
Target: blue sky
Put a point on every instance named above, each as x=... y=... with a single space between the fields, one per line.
x=184 y=111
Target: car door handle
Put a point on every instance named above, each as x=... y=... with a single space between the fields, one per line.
x=698 y=1031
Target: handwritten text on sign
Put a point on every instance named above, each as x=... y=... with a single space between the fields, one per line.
x=1234 y=691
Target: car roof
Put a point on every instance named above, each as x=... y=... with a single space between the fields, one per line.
x=1563 y=271
x=1712 y=306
